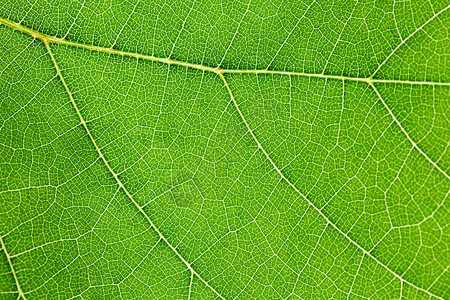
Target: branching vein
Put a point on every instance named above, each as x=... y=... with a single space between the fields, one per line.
x=220 y=72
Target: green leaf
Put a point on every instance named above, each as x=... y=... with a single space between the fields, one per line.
x=208 y=150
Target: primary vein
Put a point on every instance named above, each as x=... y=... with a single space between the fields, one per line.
x=217 y=70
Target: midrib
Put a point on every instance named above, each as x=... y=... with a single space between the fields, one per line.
x=219 y=71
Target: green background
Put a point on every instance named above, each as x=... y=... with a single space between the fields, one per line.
x=311 y=164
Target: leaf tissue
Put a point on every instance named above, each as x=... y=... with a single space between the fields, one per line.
x=224 y=149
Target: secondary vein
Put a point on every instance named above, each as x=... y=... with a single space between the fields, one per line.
x=115 y=175
x=407 y=135
x=8 y=258
x=304 y=197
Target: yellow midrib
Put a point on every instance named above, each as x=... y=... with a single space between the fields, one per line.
x=219 y=71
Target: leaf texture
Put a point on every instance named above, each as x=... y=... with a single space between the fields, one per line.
x=224 y=150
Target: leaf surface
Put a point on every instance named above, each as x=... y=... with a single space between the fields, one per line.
x=203 y=150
